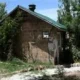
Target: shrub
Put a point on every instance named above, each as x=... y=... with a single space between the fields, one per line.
x=76 y=54
x=17 y=61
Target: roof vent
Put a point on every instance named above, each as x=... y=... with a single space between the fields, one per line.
x=32 y=7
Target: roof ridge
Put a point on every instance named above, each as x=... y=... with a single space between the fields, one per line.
x=42 y=17
x=45 y=18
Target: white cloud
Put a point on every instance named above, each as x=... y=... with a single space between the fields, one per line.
x=51 y=13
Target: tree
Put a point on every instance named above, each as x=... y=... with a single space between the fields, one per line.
x=76 y=22
x=2 y=10
x=65 y=18
x=69 y=15
x=64 y=13
x=9 y=28
x=6 y=35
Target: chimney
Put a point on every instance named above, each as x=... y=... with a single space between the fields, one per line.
x=32 y=7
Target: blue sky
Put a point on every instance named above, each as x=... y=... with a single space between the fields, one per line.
x=45 y=7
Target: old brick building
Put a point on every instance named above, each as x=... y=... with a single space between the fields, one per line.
x=40 y=38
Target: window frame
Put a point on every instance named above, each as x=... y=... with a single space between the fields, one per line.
x=45 y=36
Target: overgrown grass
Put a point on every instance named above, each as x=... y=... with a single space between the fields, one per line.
x=17 y=65
x=12 y=66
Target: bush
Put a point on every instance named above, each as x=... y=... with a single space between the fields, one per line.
x=17 y=61
x=76 y=54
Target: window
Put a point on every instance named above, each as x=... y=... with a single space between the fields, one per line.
x=46 y=34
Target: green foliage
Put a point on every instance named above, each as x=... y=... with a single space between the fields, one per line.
x=76 y=54
x=2 y=10
x=69 y=15
x=17 y=61
x=9 y=28
x=12 y=66
x=64 y=14
x=16 y=65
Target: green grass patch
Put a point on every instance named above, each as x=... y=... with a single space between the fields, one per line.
x=17 y=65
x=12 y=66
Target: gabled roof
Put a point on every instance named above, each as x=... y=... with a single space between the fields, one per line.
x=42 y=17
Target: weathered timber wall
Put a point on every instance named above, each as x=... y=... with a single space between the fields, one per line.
x=30 y=44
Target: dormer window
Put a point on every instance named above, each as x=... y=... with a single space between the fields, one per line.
x=45 y=34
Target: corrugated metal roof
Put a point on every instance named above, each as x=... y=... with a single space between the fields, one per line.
x=45 y=18
x=42 y=17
